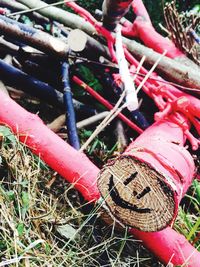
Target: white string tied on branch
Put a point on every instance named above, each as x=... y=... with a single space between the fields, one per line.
x=129 y=87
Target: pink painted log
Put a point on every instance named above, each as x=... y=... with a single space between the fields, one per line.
x=75 y=167
x=143 y=29
x=144 y=186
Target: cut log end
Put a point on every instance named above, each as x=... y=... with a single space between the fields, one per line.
x=136 y=194
x=77 y=40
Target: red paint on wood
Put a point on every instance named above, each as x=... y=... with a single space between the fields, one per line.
x=169 y=246
x=143 y=29
x=162 y=147
x=73 y=165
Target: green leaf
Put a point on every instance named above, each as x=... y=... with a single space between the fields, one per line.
x=196 y=185
x=7 y=135
x=94 y=145
x=86 y=133
x=20 y=229
x=47 y=249
x=25 y=203
x=25 y=199
x=26 y=20
x=2 y=245
x=48 y=27
x=194 y=229
x=11 y=195
x=90 y=78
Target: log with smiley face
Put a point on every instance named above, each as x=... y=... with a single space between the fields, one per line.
x=136 y=194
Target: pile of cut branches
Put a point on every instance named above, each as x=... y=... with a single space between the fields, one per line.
x=96 y=89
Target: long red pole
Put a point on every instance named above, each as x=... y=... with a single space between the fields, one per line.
x=106 y=103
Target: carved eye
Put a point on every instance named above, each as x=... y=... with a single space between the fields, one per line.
x=136 y=194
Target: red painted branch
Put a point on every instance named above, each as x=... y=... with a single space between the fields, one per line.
x=106 y=103
x=3 y=11
x=143 y=29
x=170 y=247
x=140 y=10
x=74 y=166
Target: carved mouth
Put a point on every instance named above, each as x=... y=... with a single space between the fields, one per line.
x=136 y=194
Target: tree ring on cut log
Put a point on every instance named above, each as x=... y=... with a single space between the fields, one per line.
x=136 y=194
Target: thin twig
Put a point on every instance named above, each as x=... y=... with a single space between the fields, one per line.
x=112 y=114
x=150 y=72
x=38 y=8
x=139 y=67
x=91 y=120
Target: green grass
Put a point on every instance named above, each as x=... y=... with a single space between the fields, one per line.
x=188 y=221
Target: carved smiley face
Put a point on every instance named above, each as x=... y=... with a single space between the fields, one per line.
x=136 y=194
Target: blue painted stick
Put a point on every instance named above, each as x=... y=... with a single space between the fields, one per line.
x=140 y=119
x=17 y=78
x=70 y=114
x=23 y=27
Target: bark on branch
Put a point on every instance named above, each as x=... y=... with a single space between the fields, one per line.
x=35 y=38
x=68 y=19
x=172 y=70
